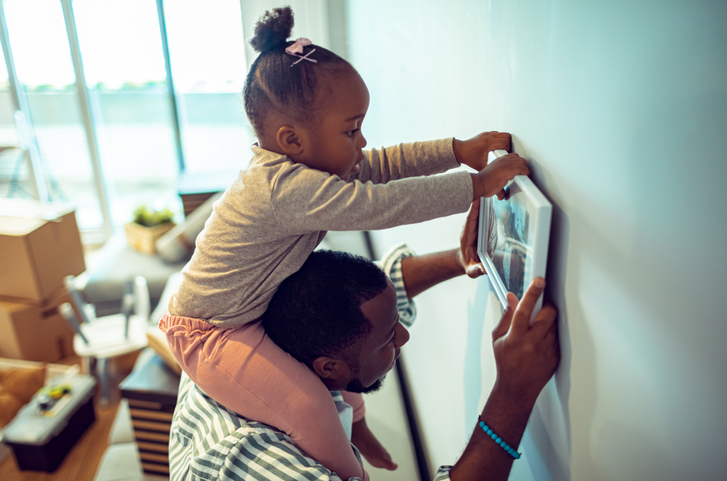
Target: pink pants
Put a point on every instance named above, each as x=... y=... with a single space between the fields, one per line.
x=248 y=373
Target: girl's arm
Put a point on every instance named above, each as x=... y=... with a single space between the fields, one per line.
x=407 y=160
x=307 y=200
x=433 y=157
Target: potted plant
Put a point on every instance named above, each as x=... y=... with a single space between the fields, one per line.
x=147 y=226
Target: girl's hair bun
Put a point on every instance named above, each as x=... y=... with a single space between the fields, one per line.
x=273 y=29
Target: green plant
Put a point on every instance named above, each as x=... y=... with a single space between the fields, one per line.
x=145 y=216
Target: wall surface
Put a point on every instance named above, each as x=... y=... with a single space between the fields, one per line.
x=621 y=110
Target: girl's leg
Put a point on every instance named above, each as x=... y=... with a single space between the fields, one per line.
x=357 y=403
x=246 y=372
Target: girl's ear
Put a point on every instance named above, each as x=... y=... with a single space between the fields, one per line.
x=331 y=370
x=289 y=140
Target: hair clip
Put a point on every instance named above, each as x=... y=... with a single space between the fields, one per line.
x=296 y=50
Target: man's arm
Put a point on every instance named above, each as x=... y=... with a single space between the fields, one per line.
x=526 y=356
x=422 y=272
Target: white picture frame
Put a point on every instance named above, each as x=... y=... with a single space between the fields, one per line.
x=513 y=236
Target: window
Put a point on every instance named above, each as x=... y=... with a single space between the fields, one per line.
x=13 y=168
x=118 y=99
x=44 y=67
x=123 y=63
x=207 y=53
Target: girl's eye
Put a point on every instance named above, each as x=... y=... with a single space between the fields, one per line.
x=351 y=133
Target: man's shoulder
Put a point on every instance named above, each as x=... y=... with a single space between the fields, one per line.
x=211 y=442
x=200 y=417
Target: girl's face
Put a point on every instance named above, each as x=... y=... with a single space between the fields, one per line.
x=335 y=143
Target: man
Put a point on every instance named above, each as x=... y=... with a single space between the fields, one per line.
x=344 y=318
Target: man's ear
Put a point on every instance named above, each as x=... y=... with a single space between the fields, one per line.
x=289 y=140
x=330 y=369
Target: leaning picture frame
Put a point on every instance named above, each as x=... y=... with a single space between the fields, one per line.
x=513 y=235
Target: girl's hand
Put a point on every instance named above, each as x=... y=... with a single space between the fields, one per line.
x=492 y=179
x=473 y=152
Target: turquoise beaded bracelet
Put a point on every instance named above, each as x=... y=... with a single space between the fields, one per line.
x=488 y=430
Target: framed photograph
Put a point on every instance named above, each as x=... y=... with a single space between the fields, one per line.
x=513 y=236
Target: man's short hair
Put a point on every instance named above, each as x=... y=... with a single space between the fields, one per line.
x=317 y=311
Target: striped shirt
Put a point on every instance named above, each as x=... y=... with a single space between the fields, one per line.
x=210 y=442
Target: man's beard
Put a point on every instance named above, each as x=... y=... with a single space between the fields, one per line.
x=356 y=386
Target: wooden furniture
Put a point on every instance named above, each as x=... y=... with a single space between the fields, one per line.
x=151 y=391
x=195 y=189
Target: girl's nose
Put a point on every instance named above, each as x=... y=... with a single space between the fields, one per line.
x=362 y=142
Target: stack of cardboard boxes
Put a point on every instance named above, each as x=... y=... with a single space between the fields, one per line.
x=39 y=246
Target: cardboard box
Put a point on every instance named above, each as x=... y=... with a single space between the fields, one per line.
x=35 y=332
x=39 y=246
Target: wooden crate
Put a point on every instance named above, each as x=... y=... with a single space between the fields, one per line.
x=151 y=391
x=152 y=422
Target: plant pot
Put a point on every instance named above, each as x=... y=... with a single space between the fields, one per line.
x=143 y=238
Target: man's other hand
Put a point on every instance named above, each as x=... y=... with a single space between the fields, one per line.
x=526 y=354
x=467 y=256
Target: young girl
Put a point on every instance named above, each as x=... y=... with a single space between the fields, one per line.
x=309 y=174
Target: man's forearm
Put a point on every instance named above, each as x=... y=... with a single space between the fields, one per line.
x=483 y=458
x=422 y=272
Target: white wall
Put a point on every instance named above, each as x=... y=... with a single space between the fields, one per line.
x=620 y=108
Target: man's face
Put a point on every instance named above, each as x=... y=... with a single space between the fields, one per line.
x=384 y=342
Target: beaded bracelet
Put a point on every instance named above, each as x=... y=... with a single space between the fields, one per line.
x=488 y=430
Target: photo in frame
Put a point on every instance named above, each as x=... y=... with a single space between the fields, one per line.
x=513 y=236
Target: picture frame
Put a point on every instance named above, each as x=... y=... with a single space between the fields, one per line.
x=513 y=237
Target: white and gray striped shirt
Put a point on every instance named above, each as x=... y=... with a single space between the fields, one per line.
x=210 y=442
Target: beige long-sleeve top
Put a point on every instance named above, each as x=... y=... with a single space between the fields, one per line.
x=276 y=212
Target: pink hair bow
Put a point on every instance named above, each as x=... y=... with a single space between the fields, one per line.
x=296 y=50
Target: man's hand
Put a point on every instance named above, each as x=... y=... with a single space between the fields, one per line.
x=473 y=152
x=526 y=354
x=492 y=179
x=467 y=255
